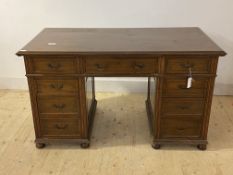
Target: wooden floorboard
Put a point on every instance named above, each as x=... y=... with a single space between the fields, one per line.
x=120 y=143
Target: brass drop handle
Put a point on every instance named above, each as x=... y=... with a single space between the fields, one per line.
x=183 y=107
x=57 y=86
x=183 y=87
x=139 y=66
x=100 y=67
x=187 y=65
x=180 y=129
x=59 y=106
x=54 y=65
x=61 y=126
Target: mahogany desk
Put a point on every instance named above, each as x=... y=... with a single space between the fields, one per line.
x=61 y=65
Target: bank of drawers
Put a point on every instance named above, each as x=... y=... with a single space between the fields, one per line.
x=182 y=108
x=57 y=96
x=58 y=107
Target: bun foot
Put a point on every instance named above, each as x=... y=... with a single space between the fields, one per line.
x=40 y=145
x=201 y=147
x=156 y=146
x=85 y=145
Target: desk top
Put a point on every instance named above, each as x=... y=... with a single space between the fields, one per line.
x=159 y=41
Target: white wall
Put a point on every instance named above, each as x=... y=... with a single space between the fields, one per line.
x=22 y=20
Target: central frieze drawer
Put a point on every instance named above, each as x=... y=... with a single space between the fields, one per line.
x=120 y=65
x=61 y=104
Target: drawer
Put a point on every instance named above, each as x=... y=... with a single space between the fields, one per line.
x=58 y=115
x=53 y=104
x=176 y=106
x=176 y=87
x=120 y=65
x=60 y=127
x=54 y=65
x=198 y=64
x=57 y=86
x=180 y=127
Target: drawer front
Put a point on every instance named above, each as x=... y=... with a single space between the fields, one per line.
x=176 y=87
x=175 y=106
x=54 y=65
x=120 y=65
x=50 y=104
x=182 y=64
x=180 y=127
x=57 y=86
x=60 y=127
x=59 y=116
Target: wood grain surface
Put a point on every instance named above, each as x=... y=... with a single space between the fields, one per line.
x=188 y=40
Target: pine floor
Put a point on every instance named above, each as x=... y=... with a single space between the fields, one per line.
x=120 y=142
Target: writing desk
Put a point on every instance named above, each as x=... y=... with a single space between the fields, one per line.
x=61 y=64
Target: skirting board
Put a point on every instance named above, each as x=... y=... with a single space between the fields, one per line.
x=122 y=85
